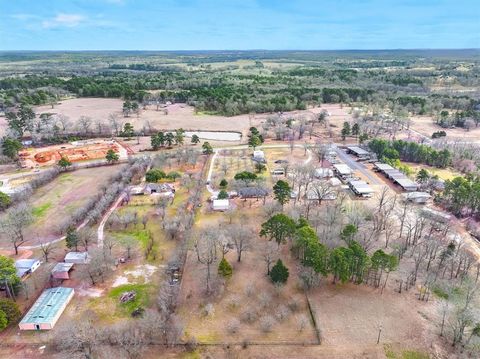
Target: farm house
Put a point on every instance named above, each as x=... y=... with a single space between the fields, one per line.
x=48 y=308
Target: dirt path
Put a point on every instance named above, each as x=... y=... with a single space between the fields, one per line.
x=106 y=216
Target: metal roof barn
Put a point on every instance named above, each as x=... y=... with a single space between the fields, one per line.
x=406 y=184
x=360 y=152
x=382 y=167
x=48 y=308
x=360 y=188
x=342 y=169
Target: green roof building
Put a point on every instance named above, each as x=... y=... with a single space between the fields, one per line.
x=47 y=309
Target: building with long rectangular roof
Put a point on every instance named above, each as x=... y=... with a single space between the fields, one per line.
x=48 y=308
x=342 y=170
x=358 y=151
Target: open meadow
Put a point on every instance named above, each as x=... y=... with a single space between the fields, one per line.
x=58 y=200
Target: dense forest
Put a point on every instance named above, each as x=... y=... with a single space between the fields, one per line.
x=218 y=82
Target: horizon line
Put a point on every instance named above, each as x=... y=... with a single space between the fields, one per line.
x=212 y=50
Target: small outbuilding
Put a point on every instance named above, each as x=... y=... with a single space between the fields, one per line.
x=259 y=156
x=25 y=267
x=136 y=190
x=252 y=192
x=76 y=257
x=48 y=308
x=278 y=172
x=323 y=172
x=221 y=204
x=161 y=188
x=417 y=197
x=62 y=270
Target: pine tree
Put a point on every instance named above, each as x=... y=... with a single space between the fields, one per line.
x=279 y=273
x=225 y=269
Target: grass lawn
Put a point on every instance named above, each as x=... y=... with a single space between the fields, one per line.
x=142 y=298
x=56 y=201
x=40 y=211
x=442 y=173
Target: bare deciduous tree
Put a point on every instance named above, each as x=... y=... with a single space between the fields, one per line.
x=269 y=254
x=14 y=222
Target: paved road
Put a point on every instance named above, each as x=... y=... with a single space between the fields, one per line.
x=357 y=166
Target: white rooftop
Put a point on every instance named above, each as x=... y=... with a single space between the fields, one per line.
x=343 y=169
x=406 y=183
x=323 y=172
x=361 y=187
x=359 y=151
x=413 y=195
x=383 y=166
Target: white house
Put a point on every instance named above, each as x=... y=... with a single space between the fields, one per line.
x=221 y=204
x=25 y=267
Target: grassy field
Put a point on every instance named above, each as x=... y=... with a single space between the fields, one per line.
x=249 y=289
x=442 y=173
x=59 y=199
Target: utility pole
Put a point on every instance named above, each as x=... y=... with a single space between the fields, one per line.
x=379 y=333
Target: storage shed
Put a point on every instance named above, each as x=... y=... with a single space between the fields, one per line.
x=48 y=308
x=259 y=156
x=417 y=197
x=323 y=172
x=221 y=204
x=62 y=270
x=76 y=257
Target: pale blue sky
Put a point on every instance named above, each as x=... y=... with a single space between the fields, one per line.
x=238 y=24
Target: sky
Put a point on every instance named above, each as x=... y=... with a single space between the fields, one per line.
x=238 y=24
